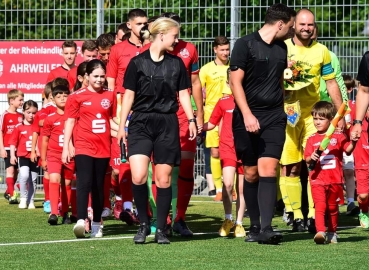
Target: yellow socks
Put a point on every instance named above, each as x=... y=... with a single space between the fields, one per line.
x=291 y=193
x=311 y=213
x=216 y=171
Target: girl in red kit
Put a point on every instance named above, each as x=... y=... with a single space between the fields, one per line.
x=326 y=179
x=87 y=114
x=21 y=141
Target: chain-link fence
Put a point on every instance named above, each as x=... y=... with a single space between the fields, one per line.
x=343 y=25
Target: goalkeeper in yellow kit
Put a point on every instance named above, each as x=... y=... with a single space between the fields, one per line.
x=313 y=58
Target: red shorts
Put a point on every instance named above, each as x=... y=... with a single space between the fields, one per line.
x=184 y=135
x=329 y=193
x=114 y=154
x=362 y=181
x=67 y=171
x=228 y=162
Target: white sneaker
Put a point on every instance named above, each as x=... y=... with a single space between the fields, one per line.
x=96 y=230
x=31 y=205
x=106 y=212
x=79 y=229
x=22 y=203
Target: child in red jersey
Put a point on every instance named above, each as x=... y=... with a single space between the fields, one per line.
x=222 y=116
x=87 y=114
x=47 y=108
x=8 y=120
x=21 y=141
x=326 y=178
x=51 y=150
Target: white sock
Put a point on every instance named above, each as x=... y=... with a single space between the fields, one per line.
x=127 y=205
x=239 y=222
x=118 y=198
x=229 y=216
x=219 y=190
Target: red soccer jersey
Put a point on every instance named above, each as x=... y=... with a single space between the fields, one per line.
x=361 y=151
x=56 y=73
x=92 y=112
x=49 y=108
x=54 y=129
x=328 y=169
x=120 y=55
x=224 y=110
x=8 y=121
x=188 y=53
x=22 y=140
x=72 y=77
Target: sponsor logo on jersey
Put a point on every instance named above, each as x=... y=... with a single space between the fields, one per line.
x=24 y=132
x=184 y=53
x=105 y=103
x=229 y=111
x=316 y=144
x=57 y=124
x=333 y=141
x=10 y=121
x=87 y=103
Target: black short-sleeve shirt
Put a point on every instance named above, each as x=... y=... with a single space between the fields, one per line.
x=156 y=83
x=363 y=73
x=263 y=65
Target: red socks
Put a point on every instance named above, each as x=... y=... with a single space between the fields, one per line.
x=64 y=198
x=46 y=183
x=54 y=197
x=185 y=187
x=10 y=185
x=125 y=182
x=115 y=185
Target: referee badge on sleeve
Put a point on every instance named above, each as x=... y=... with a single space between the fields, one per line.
x=293 y=112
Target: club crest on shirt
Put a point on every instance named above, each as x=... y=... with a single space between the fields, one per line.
x=105 y=103
x=184 y=53
x=293 y=113
x=333 y=141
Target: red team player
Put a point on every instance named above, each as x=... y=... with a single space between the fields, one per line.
x=48 y=108
x=87 y=114
x=89 y=52
x=20 y=152
x=52 y=135
x=8 y=120
x=222 y=116
x=120 y=55
x=69 y=52
x=326 y=179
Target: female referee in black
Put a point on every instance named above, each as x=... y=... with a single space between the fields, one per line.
x=153 y=81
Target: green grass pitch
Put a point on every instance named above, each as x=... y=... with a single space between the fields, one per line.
x=206 y=250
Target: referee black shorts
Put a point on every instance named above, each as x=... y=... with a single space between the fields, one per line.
x=156 y=133
x=267 y=143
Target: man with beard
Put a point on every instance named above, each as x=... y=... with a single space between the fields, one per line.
x=314 y=58
x=259 y=121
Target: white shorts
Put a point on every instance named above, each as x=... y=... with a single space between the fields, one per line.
x=348 y=162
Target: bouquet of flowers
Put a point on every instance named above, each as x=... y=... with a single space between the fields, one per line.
x=296 y=76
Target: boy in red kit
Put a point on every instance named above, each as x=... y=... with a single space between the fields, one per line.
x=89 y=52
x=120 y=55
x=21 y=140
x=47 y=108
x=8 y=120
x=222 y=115
x=326 y=178
x=52 y=135
x=69 y=53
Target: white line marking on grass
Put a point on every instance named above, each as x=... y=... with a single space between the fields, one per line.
x=84 y=239
x=120 y=237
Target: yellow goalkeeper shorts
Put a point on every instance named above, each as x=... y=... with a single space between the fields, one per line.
x=212 y=138
x=296 y=137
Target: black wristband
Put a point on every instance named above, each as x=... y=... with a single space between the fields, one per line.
x=357 y=122
x=192 y=120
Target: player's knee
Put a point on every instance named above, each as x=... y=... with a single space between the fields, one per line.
x=251 y=174
x=214 y=152
x=139 y=179
x=333 y=209
x=362 y=197
x=10 y=171
x=162 y=181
